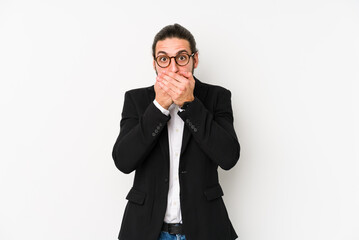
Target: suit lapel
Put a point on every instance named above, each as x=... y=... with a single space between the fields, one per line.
x=199 y=92
x=164 y=144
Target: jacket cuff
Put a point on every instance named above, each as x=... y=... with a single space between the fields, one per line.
x=163 y=110
x=190 y=114
x=154 y=120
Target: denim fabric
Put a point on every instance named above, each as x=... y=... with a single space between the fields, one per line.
x=167 y=236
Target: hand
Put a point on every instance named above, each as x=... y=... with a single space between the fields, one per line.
x=161 y=95
x=178 y=86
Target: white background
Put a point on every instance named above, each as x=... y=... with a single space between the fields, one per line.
x=292 y=68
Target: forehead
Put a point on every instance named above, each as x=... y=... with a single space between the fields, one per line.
x=172 y=45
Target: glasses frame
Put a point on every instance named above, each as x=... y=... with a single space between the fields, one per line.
x=169 y=63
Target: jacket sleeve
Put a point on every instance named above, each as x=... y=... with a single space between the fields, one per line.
x=214 y=133
x=138 y=134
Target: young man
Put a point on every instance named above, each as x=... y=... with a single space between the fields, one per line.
x=175 y=134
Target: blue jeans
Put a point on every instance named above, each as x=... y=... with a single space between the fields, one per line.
x=167 y=236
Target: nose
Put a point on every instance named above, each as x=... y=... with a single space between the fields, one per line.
x=173 y=66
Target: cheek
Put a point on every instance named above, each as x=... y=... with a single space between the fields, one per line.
x=187 y=68
x=160 y=70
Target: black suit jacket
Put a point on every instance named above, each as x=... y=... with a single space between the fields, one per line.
x=209 y=141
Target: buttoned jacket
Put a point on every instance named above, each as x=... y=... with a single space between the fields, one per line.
x=209 y=140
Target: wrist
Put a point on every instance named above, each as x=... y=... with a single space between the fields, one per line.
x=187 y=101
x=163 y=104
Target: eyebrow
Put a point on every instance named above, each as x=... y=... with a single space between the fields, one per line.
x=180 y=51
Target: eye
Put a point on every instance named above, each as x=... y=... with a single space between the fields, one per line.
x=162 y=58
x=182 y=58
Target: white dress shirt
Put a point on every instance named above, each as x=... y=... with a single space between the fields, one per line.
x=175 y=132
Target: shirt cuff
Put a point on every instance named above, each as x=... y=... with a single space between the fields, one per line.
x=162 y=109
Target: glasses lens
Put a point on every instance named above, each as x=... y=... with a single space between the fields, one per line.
x=163 y=60
x=182 y=59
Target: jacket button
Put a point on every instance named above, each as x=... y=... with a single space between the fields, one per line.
x=166 y=180
x=153 y=134
x=195 y=129
x=156 y=131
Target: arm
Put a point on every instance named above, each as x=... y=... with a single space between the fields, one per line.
x=214 y=132
x=138 y=134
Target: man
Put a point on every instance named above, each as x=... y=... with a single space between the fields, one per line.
x=175 y=134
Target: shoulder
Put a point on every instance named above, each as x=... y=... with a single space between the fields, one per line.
x=139 y=92
x=213 y=89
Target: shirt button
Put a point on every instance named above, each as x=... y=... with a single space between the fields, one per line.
x=176 y=154
x=176 y=129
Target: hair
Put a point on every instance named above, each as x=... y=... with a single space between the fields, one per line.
x=174 y=31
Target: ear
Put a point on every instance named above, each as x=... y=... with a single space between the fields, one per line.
x=195 y=58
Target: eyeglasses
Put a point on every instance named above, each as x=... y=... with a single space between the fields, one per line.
x=182 y=59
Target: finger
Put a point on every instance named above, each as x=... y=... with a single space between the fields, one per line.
x=186 y=74
x=166 y=89
x=159 y=77
x=177 y=77
x=172 y=81
x=172 y=87
x=162 y=91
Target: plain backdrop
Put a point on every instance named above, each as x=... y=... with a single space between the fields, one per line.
x=292 y=68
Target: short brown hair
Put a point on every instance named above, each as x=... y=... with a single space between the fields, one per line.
x=174 y=31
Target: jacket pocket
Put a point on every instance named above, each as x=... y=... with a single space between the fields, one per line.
x=213 y=192
x=136 y=196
